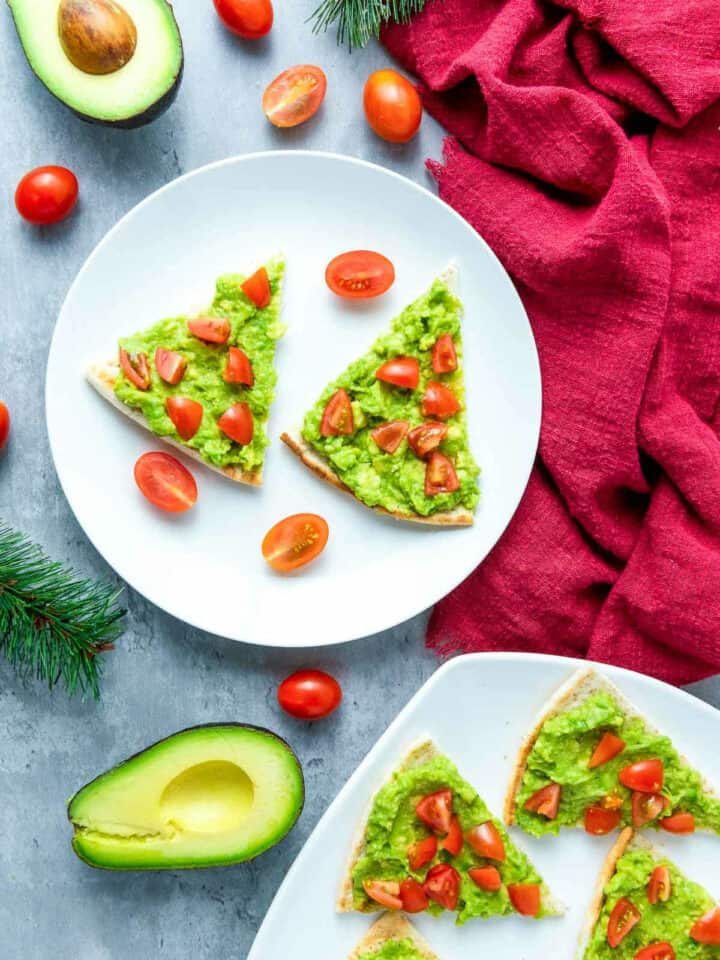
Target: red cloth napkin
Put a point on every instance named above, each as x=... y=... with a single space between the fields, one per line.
x=585 y=147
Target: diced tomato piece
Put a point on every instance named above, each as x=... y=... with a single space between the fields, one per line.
x=659 y=885
x=599 y=821
x=337 y=419
x=171 y=366
x=623 y=918
x=388 y=436
x=608 y=747
x=238 y=368
x=486 y=841
x=487 y=878
x=384 y=892
x=612 y=801
x=707 y=928
x=186 y=414
x=210 y=329
x=678 y=823
x=525 y=897
x=656 y=951
x=435 y=810
x=422 y=852
x=545 y=801
x=400 y=372
x=439 y=401
x=237 y=423
x=442 y=884
x=440 y=475
x=647 y=807
x=136 y=369
x=427 y=437
x=413 y=896
x=444 y=355
x=453 y=842
x=257 y=288
x=645 y=776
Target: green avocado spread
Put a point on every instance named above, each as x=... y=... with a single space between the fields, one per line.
x=394 y=950
x=253 y=330
x=393 y=828
x=668 y=921
x=396 y=481
x=564 y=747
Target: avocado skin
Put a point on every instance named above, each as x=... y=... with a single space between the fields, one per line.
x=199 y=726
x=135 y=120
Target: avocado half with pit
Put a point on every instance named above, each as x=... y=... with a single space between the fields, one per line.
x=110 y=62
x=204 y=797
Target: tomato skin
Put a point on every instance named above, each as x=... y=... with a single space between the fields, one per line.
x=360 y=274
x=427 y=437
x=608 y=747
x=337 y=419
x=525 y=897
x=46 y=195
x=186 y=414
x=440 y=475
x=170 y=366
x=646 y=776
x=545 y=801
x=392 y=106
x=439 y=401
x=444 y=355
x=4 y=424
x=656 y=951
x=599 y=821
x=294 y=95
x=422 y=852
x=389 y=436
x=295 y=541
x=249 y=19
x=413 y=896
x=257 y=288
x=486 y=841
x=136 y=369
x=707 y=928
x=453 y=842
x=647 y=807
x=487 y=878
x=400 y=372
x=309 y=694
x=165 y=482
x=238 y=368
x=623 y=918
x=442 y=884
x=659 y=885
x=237 y=424
x=435 y=810
x=678 y=823
x=210 y=329
x=384 y=892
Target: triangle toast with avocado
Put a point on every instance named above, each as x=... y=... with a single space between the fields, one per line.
x=429 y=843
x=205 y=384
x=392 y=430
x=645 y=908
x=593 y=761
x=392 y=937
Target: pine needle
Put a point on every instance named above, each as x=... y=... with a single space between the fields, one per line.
x=359 y=20
x=53 y=624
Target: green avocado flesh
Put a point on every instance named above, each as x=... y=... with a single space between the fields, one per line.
x=396 y=482
x=204 y=797
x=564 y=747
x=668 y=922
x=253 y=330
x=132 y=95
x=394 y=950
x=393 y=828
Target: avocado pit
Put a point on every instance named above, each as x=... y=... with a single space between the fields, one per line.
x=98 y=36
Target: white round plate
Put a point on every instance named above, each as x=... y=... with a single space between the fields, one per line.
x=205 y=567
x=478 y=709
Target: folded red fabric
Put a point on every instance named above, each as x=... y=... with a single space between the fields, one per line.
x=585 y=147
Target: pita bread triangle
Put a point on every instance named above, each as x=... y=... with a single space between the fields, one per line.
x=392 y=928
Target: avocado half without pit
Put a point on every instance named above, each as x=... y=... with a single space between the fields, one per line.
x=113 y=63
x=204 y=797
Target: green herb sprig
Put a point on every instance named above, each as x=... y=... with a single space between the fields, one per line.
x=359 y=20
x=53 y=624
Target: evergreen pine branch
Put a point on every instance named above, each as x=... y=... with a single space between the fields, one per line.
x=359 y=20
x=53 y=624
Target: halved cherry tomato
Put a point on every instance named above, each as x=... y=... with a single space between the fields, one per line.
x=545 y=801
x=237 y=423
x=171 y=366
x=659 y=885
x=608 y=747
x=486 y=841
x=623 y=918
x=186 y=414
x=656 y=951
x=439 y=401
x=440 y=476
x=136 y=368
x=599 y=821
x=442 y=884
x=388 y=436
x=46 y=195
x=427 y=437
x=647 y=807
x=487 y=878
x=295 y=541
x=435 y=810
x=444 y=355
x=294 y=96
x=645 y=776
x=249 y=19
x=337 y=419
x=210 y=329
x=678 y=823
x=257 y=288
x=165 y=482
x=309 y=694
x=401 y=372
x=525 y=897
x=707 y=928
x=385 y=892
x=238 y=368
x=4 y=424
x=413 y=896
x=392 y=106
x=360 y=274
x=453 y=842
x=422 y=852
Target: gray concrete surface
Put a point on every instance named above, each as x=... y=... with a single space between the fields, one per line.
x=164 y=675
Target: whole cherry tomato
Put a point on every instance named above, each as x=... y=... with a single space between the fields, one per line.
x=46 y=195
x=392 y=106
x=309 y=694
x=4 y=424
x=249 y=19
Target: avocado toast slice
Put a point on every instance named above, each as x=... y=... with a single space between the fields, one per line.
x=591 y=759
x=392 y=937
x=392 y=429
x=226 y=364
x=646 y=901
x=396 y=843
